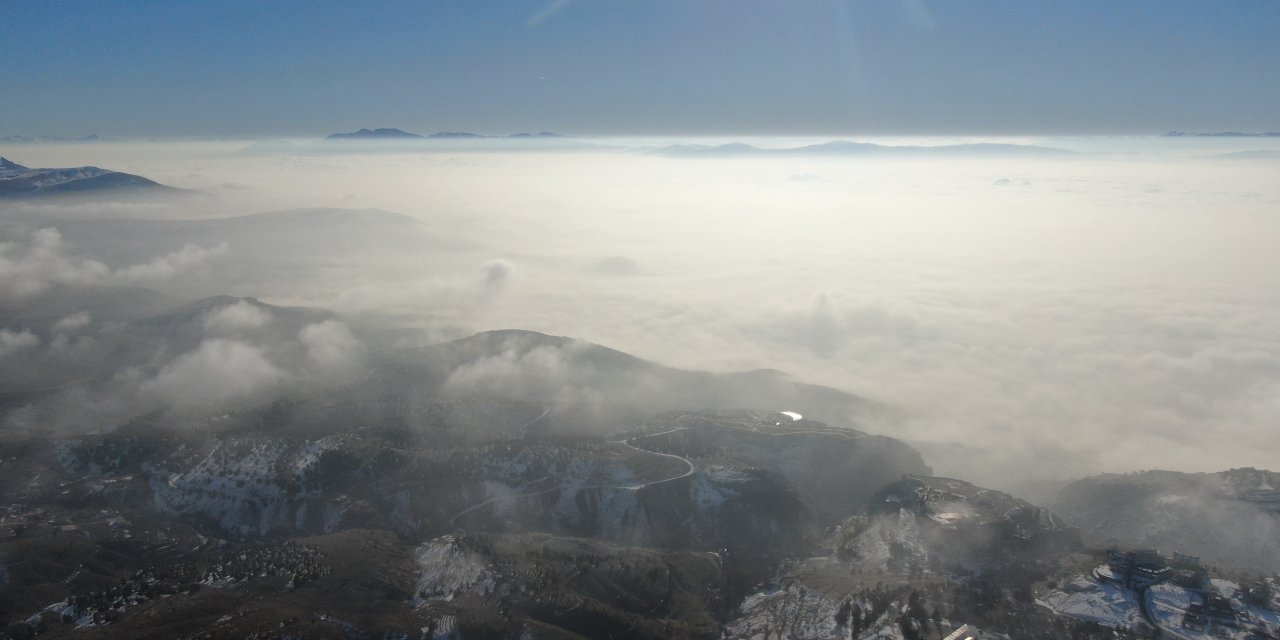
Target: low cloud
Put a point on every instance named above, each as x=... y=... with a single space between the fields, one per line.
x=233 y=318
x=188 y=258
x=466 y=290
x=825 y=325
x=563 y=374
x=497 y=273
x=14 y=341
x=72 y=323
x=816 y=328
x=32 y=262
x=216 y=373
x=332 y=350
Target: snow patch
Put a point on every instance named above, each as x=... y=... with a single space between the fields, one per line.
x=1087 y=599
x=447 y=571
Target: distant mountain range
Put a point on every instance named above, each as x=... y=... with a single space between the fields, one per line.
x=846 y=148
x=19 y=139
x=835 y=148
x=374 y=134
x=17 y=181
x=1254 y=154
x=398 y=134
x=1222 y=134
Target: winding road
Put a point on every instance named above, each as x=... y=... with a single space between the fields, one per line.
x=688 y=472
x=524 y=428
x=691 y=468
x=453 y=522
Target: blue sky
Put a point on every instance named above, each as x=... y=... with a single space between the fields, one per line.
x=667 y=67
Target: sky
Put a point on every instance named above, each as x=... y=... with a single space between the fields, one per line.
x=651 y=67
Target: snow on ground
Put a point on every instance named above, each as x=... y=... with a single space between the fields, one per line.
x=791 y=611
x=1266 y=617
x=1167 y=604
x=447 y=629
x=713 y=487
x=1086 y=599
x=234 y=487
x=447 y=571
x=873 y=548
x=804 y=606
x=791 y=414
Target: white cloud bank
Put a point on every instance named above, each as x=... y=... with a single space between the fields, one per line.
x=218 y=372
x=15 y=341
x=31 y=262
x=241 y=315
x=333 y=352
x=72 y=323
x=1019 y=319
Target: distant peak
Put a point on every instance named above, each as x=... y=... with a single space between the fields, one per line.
x=8 y=165
x=540 y=134
x=520 y=334
x=199 y=307
x=223 y=300
x=456 y=135
x=1222 y=134
x=53 y=139
x=373 y=134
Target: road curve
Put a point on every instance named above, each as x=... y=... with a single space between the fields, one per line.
x=524 y=428
x=688 y=472
x=453 y=522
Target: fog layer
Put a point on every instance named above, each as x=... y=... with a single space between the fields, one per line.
x=1018 y=320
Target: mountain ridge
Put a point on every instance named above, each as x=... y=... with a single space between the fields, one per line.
x=399 y=134
x=375 y=134
x=18 y=181
x=849 y=148
x=1229 y=518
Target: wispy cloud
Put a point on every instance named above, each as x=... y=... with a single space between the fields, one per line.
x=552 y=8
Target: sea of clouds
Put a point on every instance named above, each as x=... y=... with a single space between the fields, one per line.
x=1019 y=320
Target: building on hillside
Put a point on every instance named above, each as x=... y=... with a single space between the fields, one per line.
x=1213 y=610
x=1220 y=611
x=1259 y=593
x=1188 y=572
x=1141 y=567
